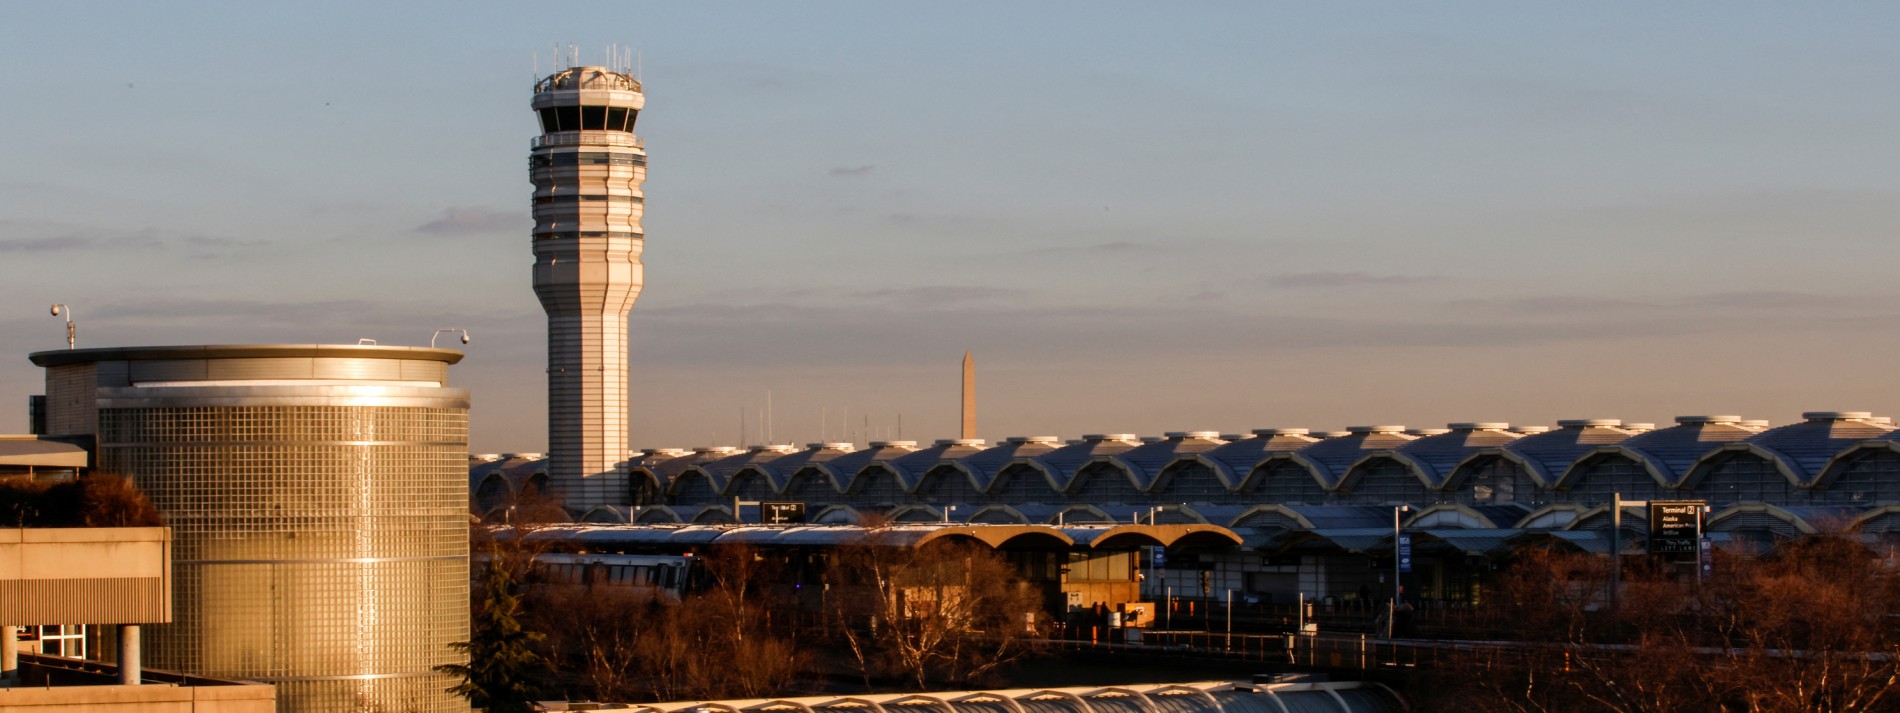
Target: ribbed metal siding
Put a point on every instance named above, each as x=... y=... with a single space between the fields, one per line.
x=92 y=600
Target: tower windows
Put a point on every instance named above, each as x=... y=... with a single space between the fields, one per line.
x=587 y=118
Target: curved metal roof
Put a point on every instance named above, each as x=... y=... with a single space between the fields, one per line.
x=1803 y=450
x=1145 y=462
x=242 y=351
x=1668 y=453
x=1062 y=463
x=983 y=465
x=1202 y=697
x=1434 y=457
x=1329 y=459
x=1547 y=455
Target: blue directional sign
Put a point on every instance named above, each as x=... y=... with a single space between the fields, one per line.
x=1160 y=555
x=1405 y=553
x=1706 y=556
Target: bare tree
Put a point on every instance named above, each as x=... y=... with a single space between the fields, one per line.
x=948 y=612
x=1807 y=628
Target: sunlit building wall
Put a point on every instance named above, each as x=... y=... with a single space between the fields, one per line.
x=318 y=500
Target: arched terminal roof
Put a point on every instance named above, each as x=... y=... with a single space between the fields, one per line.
x=1547 y=455
x=1144 y=462
x=1329 y=459
x=1063 y=463
x=844 y=469
x=1668 y=453
x=911 y=467
x=1801 y=451
x=1434 y=457
x=780 y=470
x=1235 y=460
x=982 y=466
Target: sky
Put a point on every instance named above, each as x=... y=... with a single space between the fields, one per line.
x=1142 y=217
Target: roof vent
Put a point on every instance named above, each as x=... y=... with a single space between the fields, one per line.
x=1210 y=435
x=719 y=450
x=1639 y=427
x=1590 y=423
x=524 y=456
x=1032 y=439
x=1427 y=431
x=773 y=448
x=1838 y=415
x=840 y=446
x=1759 y=424
x=669 y=452
x=1479 y=426
x=1152 y=439
x=1709 y=420
x=1120 y=436
x=941 y=442
x=893 y=444
x=1280 y=432
x=1232 y=436
x=1531 y=430
x=1375 y=429
x=487 y=457
x=967 y=441
x=1094 y=437
x=1881 y=420
x=1331 y=434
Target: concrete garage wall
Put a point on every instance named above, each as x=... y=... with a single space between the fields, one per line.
x=85 y=575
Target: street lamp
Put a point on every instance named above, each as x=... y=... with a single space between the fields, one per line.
x=71 y=331
x=450 y=330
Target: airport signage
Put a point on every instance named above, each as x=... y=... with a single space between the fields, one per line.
x=1405 y=553
x=1675 y=526
x=781 y=513
x=1159 y=556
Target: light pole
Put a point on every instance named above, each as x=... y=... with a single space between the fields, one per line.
x=71 y=331
x=1398 y=589
x=449 y=330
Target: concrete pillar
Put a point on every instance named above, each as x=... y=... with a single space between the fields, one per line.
x=9 y=655
x=129 y=669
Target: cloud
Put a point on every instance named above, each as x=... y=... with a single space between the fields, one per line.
x=467 y=221
x=1769 y=299
x=1545 y=304
x=852 y=171
x=929 y=296
x=1345 y=279
x=75 y=239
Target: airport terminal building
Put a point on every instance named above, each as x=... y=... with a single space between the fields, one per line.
x=1308 y=513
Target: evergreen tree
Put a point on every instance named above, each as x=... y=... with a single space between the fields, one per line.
x=503 y=672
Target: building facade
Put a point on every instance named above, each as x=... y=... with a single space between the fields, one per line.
x=1310 y=508
x=587 y=167
x=317 y=503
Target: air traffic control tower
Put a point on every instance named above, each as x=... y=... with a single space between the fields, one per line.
x=587 y=166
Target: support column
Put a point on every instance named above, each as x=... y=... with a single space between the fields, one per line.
x=129 y=669
x=9 y=655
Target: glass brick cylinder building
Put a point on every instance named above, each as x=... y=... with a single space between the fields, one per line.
x=318 y=501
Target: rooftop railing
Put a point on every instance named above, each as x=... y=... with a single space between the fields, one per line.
x=573 y=138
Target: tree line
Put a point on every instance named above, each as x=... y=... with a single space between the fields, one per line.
x=885 y=616
x=1807 y=627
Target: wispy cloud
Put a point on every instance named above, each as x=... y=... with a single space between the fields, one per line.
x=54 y=238
x=1345 y=279
x=467 y=221
x=931 y=296
x=852 y=171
